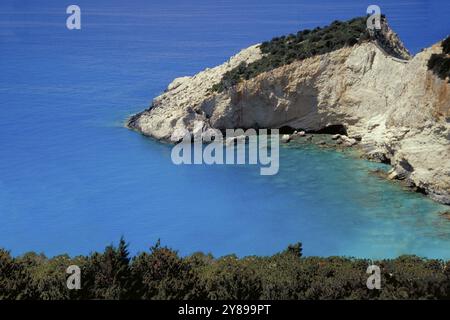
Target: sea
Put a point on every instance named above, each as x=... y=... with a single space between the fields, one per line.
x=73 y=179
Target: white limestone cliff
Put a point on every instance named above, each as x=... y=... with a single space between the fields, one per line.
x=398 y=108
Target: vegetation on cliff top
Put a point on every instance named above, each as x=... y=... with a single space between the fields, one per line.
x=307 y=43
x=440 y=63
x=162 y=274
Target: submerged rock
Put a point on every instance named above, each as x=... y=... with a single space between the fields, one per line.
x=379 y=173
x=445 y=214
x=376 y=156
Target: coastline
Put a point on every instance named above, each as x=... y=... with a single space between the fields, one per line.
x=372 y=96
x=331 y=141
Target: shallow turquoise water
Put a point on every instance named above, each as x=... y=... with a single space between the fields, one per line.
x=72 y=179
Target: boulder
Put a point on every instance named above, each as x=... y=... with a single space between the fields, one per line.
x=346 y=141
x=335 y=136
x=285 y=138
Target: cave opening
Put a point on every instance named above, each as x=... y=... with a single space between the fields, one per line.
x=287 y=130
x=332 y=129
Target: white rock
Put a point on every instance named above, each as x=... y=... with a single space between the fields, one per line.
x=348 y=142
x=392 y=175
x=285 y=138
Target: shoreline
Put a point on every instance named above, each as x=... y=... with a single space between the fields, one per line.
x=391 y=175
x=335 y=141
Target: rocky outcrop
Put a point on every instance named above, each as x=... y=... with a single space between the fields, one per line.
x=184 y=100
x=395 y=107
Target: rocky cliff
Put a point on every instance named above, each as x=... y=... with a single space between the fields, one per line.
x=392 y=103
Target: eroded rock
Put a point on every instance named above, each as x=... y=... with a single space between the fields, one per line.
x=398 y=109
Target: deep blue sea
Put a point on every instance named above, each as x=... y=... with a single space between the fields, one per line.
x=73 y=179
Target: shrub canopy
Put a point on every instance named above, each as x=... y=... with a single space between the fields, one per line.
x=162 y=274
x=307 y=43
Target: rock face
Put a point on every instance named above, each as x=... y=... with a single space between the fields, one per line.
x=396 y=108
x=184 y=100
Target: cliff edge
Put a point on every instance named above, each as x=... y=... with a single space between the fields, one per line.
x=391 y=102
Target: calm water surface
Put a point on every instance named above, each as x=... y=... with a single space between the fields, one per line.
x=72 y=179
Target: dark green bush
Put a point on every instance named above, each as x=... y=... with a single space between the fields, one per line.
x=231 y=279
x=162 y=275
x=446 y=45
x=46 y=278
x=14 y=280
x=107 y=275
x=440 y=65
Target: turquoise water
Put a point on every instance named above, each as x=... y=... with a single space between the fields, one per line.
x=72 y=179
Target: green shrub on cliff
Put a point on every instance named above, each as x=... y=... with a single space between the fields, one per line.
x=446 y=45
x=440 y=63
x=307 y=43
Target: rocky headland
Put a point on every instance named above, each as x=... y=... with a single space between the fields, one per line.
x=368 y=89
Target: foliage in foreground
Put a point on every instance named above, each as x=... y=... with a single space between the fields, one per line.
x=162 y=274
